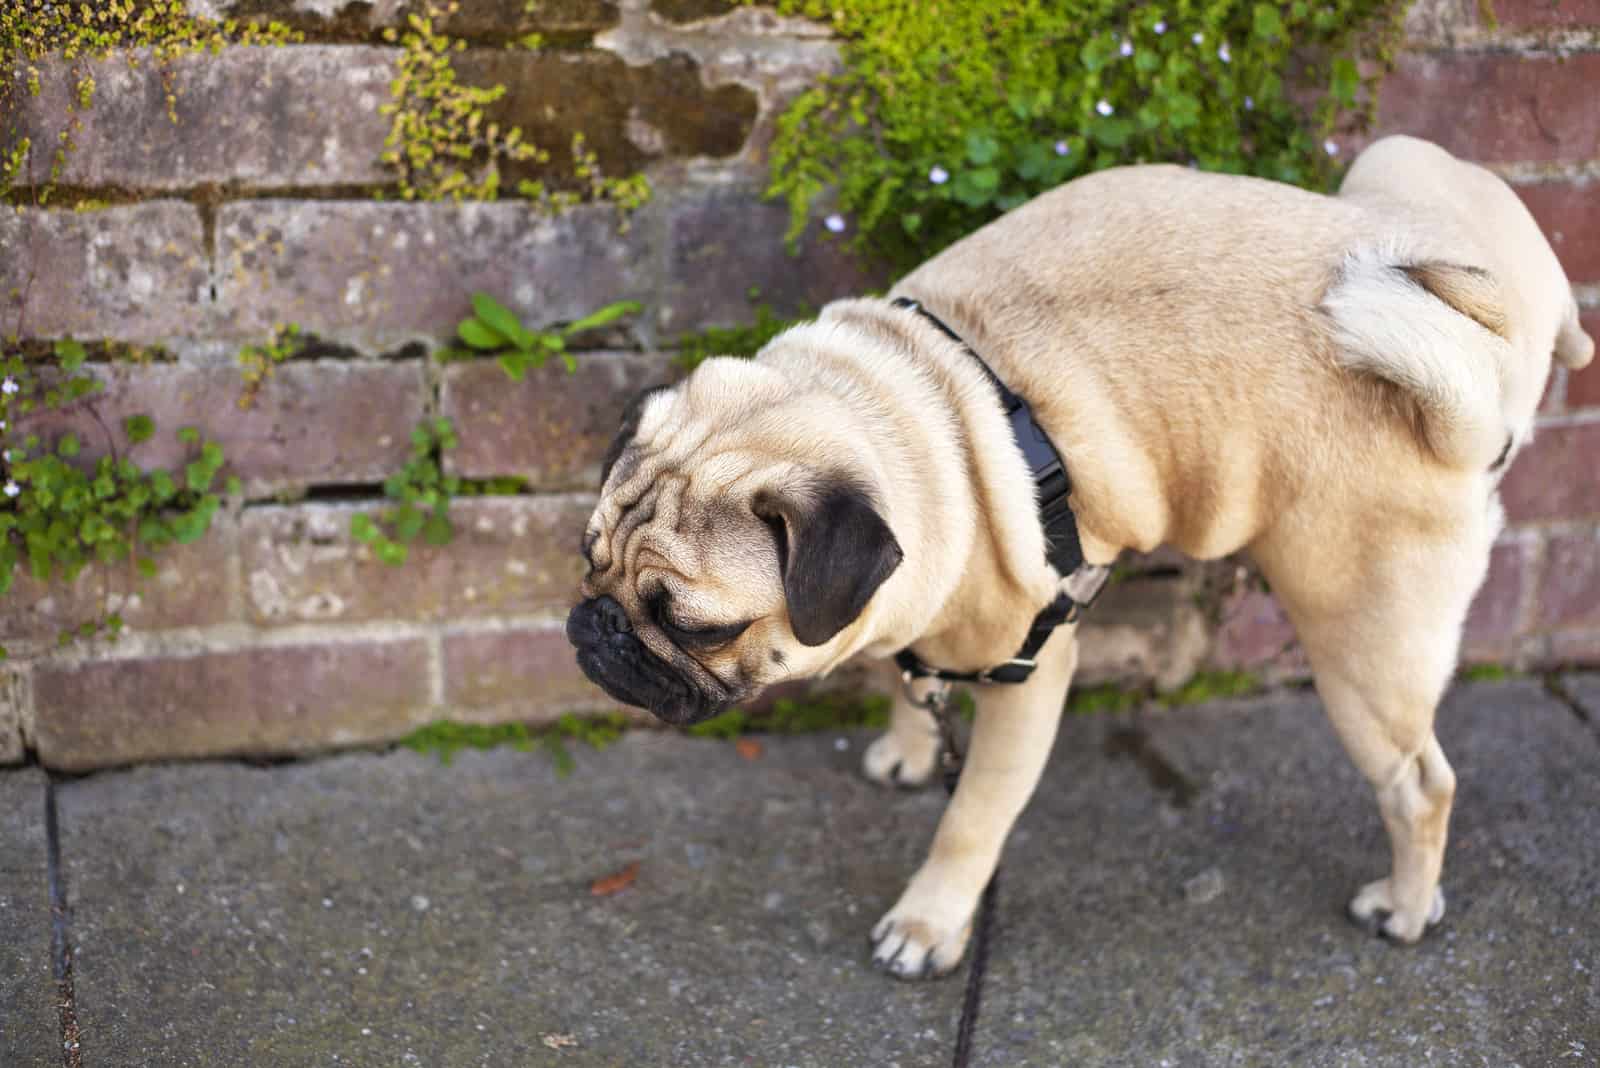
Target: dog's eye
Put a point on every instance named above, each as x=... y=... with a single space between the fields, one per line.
x=704 y=636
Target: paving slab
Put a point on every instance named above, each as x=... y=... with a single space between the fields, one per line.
x=1174 y=895
x=30 y=1032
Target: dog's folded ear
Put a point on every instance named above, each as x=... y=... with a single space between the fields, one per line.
x=1472 y=291
x=835 y=551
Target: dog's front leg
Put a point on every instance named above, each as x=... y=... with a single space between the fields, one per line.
x=926 y=932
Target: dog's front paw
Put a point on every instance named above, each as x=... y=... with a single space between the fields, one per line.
x=922 y=936
x=1375 y=907
x=902 y=758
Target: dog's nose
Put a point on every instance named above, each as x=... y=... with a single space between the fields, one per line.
x=611 y=617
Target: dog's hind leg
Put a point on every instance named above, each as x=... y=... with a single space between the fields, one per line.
x=1382 y=651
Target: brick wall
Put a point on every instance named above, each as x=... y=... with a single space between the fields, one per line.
x=278 y=633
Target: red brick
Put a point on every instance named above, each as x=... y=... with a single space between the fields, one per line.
x=283 y=699
x=1255 y=633
x=551 y=428
x=509 y=556
x=1497 y=107
x=1569 y=648
x=529 y=675
x=193 y=587
x=1497 y=609
x=1556 y=477
x=263 y=117
x=138 y=273
x=1546 y=14
x=378 y=274
x=1570 y=591
x=316 y=422
x=1569 y=215
x=1583 y=387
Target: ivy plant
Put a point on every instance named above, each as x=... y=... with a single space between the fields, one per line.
x=421 y=491
x=935 y=125
x=58 y=513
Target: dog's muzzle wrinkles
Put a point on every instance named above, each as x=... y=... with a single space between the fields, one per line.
x=613 y=658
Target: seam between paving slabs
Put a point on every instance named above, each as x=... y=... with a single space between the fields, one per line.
x=1558 y=690
x=60 y=933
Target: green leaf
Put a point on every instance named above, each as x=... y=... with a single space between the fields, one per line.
x=1267 y=21
x=362 y=528
x=501 y=319
x=67 y=446
x=438 y=530
x=602 y=317
x=234 y=487
x=1111 y=133
x=1346 y=80
x=982 y=148
x=481 y=337
x=138 y=428
x=145 y=566
x=391 y=553
x=189 y=435
x=70 y=353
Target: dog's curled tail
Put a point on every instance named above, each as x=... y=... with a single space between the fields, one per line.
x=1437 y=331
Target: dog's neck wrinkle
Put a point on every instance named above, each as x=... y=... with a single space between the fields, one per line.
x=944 y=419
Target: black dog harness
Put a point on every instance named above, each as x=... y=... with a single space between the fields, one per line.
x=1063 y=549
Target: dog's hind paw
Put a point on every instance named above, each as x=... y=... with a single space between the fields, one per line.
x=1374 y=908
x=902 y=758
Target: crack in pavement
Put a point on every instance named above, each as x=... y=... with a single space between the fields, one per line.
x=1554 y=687
x=60 y=941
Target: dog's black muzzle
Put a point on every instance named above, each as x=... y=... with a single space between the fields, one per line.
x=614 y=659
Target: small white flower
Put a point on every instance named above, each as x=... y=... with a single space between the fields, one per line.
x=12 y=489
x=1198 y=38
x=938 y=175
x=1160 y=26
x=1062 y=149
x=834 y=223
x=2 y=424
x=1331 y=147
x=1104 y=107
x=1223 y=53
x=1249 y=103
x=1127 y=48
x=9 y=386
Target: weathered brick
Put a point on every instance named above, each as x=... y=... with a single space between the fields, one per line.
x=138 y=273
x=551 y=428
x=1569 y=215
x=1546 y=14
x=472 y=18
x=725 y=241
x=692 y=10
x=1570 y=591
x=1496 y=611
x=1556 y=477
x=280 y=699
x=629 y=115
x=193 y=586
x=509 y=556
x=262 y=117
x=15 y=710
x=528 y=674
x=378 y=274
x=1583 y=387
x=1497 y=107
x=317 y=422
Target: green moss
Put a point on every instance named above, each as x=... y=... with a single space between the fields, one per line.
x=938 y=123
x=1212 y=686
x=1107 y=698
x=745 y=340
x=445 y=739
x=1485 y=673
x=829 y=712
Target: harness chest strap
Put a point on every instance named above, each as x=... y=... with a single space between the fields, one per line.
x=1063 y=549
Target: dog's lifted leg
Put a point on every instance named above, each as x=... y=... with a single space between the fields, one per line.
x=905 y=754
x=926 y=932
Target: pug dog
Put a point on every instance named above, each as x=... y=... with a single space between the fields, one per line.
x=1333 y=384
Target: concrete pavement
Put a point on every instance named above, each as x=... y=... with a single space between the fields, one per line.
x=1173 y=896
